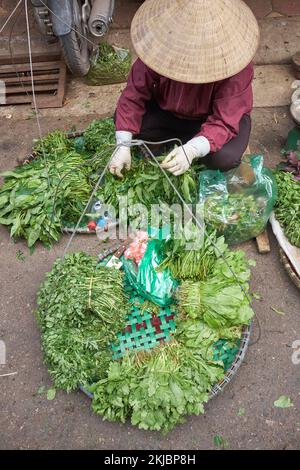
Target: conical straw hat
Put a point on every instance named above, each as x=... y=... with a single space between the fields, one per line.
x=195 y=41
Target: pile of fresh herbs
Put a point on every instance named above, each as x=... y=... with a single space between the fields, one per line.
x=238 y=203
x=112 y=66
x=157 y=389
x=35 y=198
x=241 y=217
x=192 y=255
x=81 y=307
x=287 y=208
x=221 y=300
x=145 y=184
x=291 y=164
x=38 y=198
x=99 y=136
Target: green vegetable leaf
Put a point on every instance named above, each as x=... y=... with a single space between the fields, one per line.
x=41 y=390
x=51 y=393
x=256 y=296
x=252 y=262
x=283 y=402
x=221 y=442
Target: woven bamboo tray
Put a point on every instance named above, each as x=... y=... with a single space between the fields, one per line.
x=230 y=373
x=219 y=387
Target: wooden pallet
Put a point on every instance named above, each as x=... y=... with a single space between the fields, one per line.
x=49 y=82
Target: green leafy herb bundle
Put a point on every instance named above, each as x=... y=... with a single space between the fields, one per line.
x=159 y=390
x=219 y=306
x=112 y=66
x=241 y=218
x=80 y=310
x=196 y=262
x=221 y=300
x=35 y=198
x=99 y=135
x=145 y=184
x=38 y=199
x=287 y=208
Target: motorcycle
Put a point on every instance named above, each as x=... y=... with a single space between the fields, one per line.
x=75 y=23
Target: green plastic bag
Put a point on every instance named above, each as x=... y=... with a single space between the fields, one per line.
x=158 y=287
x=238 y=203
x=293 y=140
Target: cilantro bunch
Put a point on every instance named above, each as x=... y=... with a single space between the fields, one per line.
x=157 y=390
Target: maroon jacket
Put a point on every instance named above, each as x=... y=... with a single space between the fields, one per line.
x=221 y=104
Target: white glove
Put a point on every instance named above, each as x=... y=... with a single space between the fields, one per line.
x=180 y=159
x=122 y=157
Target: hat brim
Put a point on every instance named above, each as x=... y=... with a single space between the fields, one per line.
x=195 y=41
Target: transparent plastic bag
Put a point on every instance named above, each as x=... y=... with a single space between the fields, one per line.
x=158 y=287
x=238 y=203
x=112 y=65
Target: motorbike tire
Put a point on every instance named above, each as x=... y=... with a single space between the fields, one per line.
x=78 y=64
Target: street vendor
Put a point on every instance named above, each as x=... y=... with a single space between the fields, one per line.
x=192 y=80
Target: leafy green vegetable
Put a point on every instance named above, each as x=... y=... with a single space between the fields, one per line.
x=51 y=191
x=219 y=441
x=241 y=218
x=287 y=208
x=283 y=402
x=291 y=164
x=112 y=66
x=238 y=203
x=99 y=135
x=145 y=184
x=196 y=262
x=35 y=198
x=81 y=309
x=51 y=394
x=196 y=334
x=157 y=391
x=220 y=300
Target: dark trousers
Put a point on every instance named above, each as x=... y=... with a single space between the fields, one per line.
x=161 y=125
